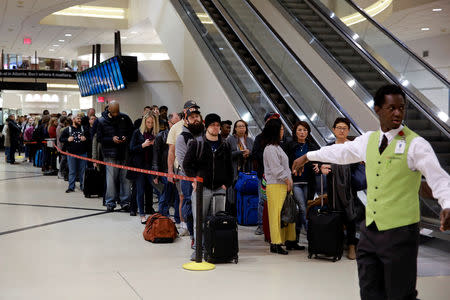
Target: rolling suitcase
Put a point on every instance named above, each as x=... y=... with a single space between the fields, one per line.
x=325 y=231
x=221 y=238
x=247 y=209
x=92 y=183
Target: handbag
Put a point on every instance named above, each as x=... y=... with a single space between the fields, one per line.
x=289 y=211
x=359 y=182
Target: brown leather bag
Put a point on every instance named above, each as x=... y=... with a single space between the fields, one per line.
x=316 y=202
x=160 y=229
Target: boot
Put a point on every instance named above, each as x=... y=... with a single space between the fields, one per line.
x=351 y=252
x=277 y=249
x=292 y=245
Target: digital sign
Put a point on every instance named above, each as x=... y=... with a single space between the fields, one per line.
x=105 y=77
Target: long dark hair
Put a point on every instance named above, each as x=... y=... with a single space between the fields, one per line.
x=294 y=131
x=235 y=124
x=271 y=132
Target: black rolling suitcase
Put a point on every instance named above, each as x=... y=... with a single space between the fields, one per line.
x=93 y=183
x=221 y=238
x=325 y=231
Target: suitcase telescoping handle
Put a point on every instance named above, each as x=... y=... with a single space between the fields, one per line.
x=321 y=190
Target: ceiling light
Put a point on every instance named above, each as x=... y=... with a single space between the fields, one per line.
x=62 y=86
x=124 y=37
x=133 y=32
x=68 y=34
x=55 y=45
x=61 y=57
x=437 y=9
x=93 y=12
x=247 y=117
x=443 y=116
x=61 y=41
x=424 y=28
x=372 y=11
x=51 y=50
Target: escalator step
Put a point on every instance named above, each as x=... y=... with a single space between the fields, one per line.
x=255 y=69
x=419 y=124
x=429 y=134
x=313 y=18
x=439 y=146
x=358 y=67
x=343 y=51
x=294 y=5
x=267 y=86
x=302 y=11
x=329 y=37
x=337 y=44
x=351 y=59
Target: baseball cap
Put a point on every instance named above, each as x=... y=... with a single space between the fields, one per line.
x=190 y=104
x=191 y=110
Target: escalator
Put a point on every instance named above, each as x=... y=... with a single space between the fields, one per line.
x=256 y=75
x=367 y=56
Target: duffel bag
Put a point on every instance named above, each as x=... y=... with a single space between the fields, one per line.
x=160 y=229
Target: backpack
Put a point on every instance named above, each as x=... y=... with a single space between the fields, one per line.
x=160 y=229
x=28 y=134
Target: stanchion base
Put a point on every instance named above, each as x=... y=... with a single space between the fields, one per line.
x=195 y=266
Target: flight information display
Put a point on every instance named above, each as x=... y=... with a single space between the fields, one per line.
x=105 y=77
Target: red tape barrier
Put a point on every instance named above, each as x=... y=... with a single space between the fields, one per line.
x=174 y=176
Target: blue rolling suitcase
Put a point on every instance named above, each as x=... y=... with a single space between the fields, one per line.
x=38 y=159
x=247 y=198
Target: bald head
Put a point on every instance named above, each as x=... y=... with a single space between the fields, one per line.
x=114 y=108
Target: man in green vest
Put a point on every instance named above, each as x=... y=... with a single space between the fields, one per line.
x=396 y=158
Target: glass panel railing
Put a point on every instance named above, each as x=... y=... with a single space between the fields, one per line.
x=317 y=106
x=428 y=85
x=24 y=62
x=256 y=103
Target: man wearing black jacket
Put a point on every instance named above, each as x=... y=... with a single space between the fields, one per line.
x=76 y=140
x=160 y=154
x=209 y=157
x=114 y=132
x=14 y=133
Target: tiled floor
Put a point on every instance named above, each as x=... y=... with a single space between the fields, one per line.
x=82 y=253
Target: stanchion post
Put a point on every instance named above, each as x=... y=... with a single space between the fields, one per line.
x=199 y=264
x=199 y=224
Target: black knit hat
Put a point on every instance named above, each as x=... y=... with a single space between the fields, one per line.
x=211 y=118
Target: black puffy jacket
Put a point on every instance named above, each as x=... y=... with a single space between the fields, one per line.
x=161 y=151
x=109 y=127
x=138 y=153
x=216 y=168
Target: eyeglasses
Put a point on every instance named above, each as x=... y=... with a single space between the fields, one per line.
x=341 y=128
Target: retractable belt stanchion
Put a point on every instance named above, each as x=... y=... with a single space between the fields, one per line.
x=199 y=264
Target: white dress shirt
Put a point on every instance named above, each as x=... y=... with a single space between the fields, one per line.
x=420 y=157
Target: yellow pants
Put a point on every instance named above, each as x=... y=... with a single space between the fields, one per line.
x=276 y=194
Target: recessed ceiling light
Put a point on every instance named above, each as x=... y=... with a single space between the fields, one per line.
x=51 y=50
x=61 y=41
x=61 y=57
x=68 y=34
x=424 y=28
x=133 y=32
x=55 y=45
x=124 y=37
x=437 y=9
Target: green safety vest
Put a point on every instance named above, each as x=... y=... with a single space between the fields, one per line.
x=392 y=188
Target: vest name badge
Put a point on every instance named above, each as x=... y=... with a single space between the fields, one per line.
x=400 y=147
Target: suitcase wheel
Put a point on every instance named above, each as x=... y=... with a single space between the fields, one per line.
x=236 y=260
x=335 y=259
x=310 y=255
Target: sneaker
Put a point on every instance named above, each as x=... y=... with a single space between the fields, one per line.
x=70 y=190
x=183 y=230
x=143 y=220
x=192 y=244
x=259 y=230
x=126 y=208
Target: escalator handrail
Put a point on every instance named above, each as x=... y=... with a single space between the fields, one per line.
x=418 y=103
x=400 y=43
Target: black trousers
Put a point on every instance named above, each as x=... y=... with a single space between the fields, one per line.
x=387 y=262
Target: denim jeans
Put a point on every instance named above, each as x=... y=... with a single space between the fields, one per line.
x=300 y=195
x=117 y=184
x=141 y=182
x=7 y=154
x=169 y=193
x=262 y=198
x=186 y=189
x=213 y=202
x=76 y=167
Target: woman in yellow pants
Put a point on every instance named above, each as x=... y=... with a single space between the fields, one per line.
x=279 y=183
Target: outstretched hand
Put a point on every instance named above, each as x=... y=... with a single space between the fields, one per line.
x=299 y=163
x=445 y=219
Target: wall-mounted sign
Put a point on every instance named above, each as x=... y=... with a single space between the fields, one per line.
x=37 y=74
x=27 y=41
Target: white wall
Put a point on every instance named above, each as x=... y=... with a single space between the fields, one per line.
x=199 y=83
x=158 y=84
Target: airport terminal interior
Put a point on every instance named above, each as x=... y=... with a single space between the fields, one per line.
x=309 y=61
